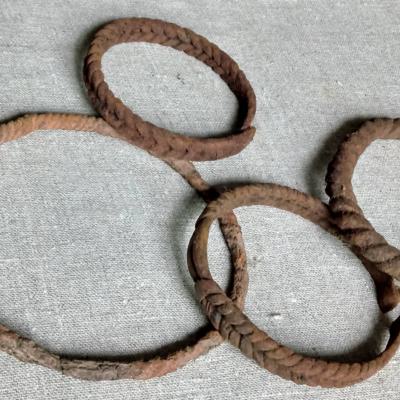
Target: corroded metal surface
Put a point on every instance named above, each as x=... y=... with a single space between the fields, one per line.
x=233 y=324
x=382 y=259
x=27 y=350
x=161 y=142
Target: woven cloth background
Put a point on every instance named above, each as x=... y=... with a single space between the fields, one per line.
x=93 y=232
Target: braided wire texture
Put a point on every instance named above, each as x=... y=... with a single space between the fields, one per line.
x=27 y=350
x=347 y=215
x=161 y=142
x=238 y=329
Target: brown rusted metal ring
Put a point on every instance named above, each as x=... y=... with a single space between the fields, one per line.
x=233 y=324
x=28 y=351
x=161 y=142
x=380 y=257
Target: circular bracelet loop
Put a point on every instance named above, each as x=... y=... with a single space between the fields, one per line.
x=28 y=351
x=238 y=329
x=161 y=142
x=347 y=215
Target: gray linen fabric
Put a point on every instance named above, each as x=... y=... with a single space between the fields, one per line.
x=93 y=232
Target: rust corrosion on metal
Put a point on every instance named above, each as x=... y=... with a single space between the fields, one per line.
x=28 y=351
x=233 y=324
x=161 y=142
x=381 y=258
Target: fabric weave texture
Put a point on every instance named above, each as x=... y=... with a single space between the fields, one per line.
x=93 y=232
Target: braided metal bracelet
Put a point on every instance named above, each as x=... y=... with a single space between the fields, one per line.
x=238 y=329
x=158 y=141
x=348 y=216
x=27 y=350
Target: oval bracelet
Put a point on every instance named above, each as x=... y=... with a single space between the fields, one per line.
x=238 y=329
x=28 y=351
x=159 y=141
x=346 y=212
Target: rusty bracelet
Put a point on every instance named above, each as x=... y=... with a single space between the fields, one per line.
x=161 y=142
x=233 y=324
x=28 y=351
x=379 y=255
